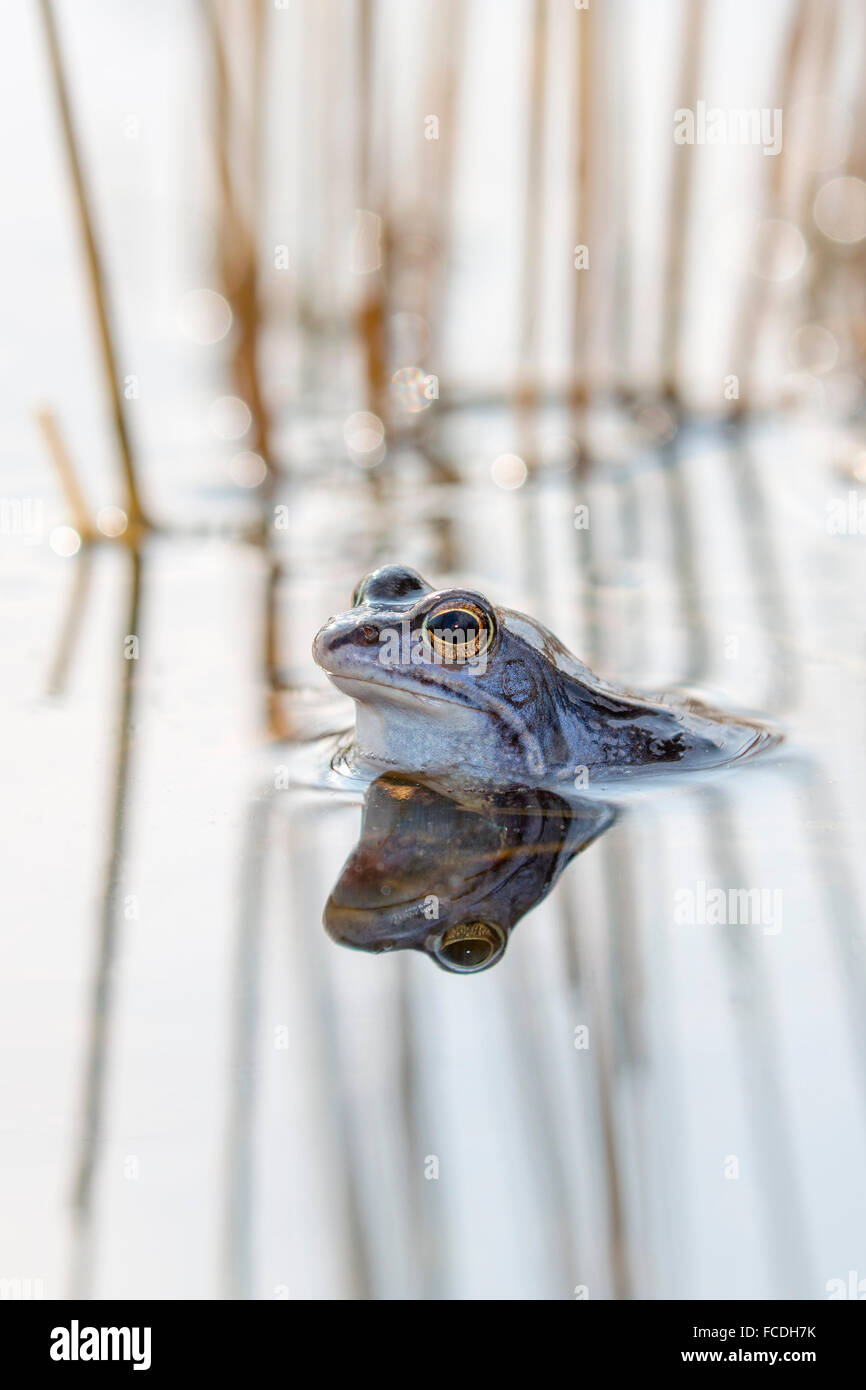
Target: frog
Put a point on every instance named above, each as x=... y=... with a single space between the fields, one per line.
x=450 y=686
x=450 y=876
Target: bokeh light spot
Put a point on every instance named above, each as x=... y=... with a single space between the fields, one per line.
x=656 y=421
x=364 y=434
x=840 y=210
x=111 y=521
x=65 y=541
x=778 y=250
x=407 y=389
x=366 y=242
x=508 y=471
x=204 y=316
x=248 y=469
x=229 y=417
x=814 y=349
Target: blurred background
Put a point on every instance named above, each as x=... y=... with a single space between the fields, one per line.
x=295 y=289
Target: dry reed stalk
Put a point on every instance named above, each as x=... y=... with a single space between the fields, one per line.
x=95 y=271
x=526 y=396
x=67 y=473
x=372 y=310
x=582 y=82
x=102 y=994
x=755 y=297
x=239 y=268
x=681 y=200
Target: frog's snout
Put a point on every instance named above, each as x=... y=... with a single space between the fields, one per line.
x=337 y=645
x=324 y=643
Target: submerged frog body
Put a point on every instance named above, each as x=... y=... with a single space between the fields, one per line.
x=447 y=685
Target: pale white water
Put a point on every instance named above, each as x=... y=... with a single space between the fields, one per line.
x=269 y=1099
x=244 y=1107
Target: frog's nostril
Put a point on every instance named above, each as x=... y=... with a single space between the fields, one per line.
x=337 y=639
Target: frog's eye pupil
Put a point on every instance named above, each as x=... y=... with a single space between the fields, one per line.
x=457 y=625
x=468 y=953
x=471 y=946
x=458 y=633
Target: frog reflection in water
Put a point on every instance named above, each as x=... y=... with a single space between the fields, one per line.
x=448 y=686
x=452 y=877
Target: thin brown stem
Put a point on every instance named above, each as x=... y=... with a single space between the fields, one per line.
x=95 y=272
x=527 y=388
x=67 y=474
x=102 y=989
x=681 y=201
x=756 y=295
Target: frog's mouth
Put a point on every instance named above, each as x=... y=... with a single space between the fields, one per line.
x=359 y=688
x=460 y=709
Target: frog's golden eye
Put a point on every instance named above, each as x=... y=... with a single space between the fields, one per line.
x=458 y=632
x=470 y=946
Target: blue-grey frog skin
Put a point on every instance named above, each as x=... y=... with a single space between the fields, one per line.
x=508 y=704
x=452 y=877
